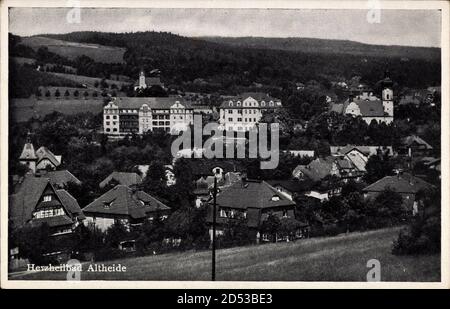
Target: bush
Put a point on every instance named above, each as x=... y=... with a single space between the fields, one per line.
x=423 y=235
x=104 y=254
x=34 y=243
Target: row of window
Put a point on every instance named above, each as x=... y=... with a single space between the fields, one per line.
x=113 y=117
x=245 y=120
x=161 y=117
x=230 y=213
x=48 y=212
x=238 y=103
x=242 y=111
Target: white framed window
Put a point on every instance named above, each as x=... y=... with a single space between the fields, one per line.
x=223 y=213
x=47 y=198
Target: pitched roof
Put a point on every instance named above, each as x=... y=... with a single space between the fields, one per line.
x=316 y=169
x=258 y=96
x=151 y=81
x=123 y=178
x=152 y=102
x=44 y=153
x=366 y=150
x=123 y=201
x=402 y=183
x=28 y=152
x=291 y=185
x=370 y=108
x=252 y=194
x=23 y=203
x=61 y=178
x=414 y=139
x=71 y=203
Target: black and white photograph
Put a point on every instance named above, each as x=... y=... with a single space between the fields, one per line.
x=224 y=143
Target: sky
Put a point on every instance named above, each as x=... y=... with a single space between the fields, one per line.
x=396 y=27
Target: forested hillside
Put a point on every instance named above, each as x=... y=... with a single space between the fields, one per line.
x=322 y=46
x=183 y=59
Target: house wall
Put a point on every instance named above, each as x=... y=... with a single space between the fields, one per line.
x=117 y=122
x=247 y=114
x=42 y=165
x=111 y=119
x=408 y=199
x=30 y=164
x=318 y=195
x=386 y=119
x=101 y=223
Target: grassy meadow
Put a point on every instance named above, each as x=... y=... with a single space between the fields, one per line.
x=340 y=258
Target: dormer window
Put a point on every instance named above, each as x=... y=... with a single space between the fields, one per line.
x=238 y=103
x=263 y=103
x=275 y=198
x=107 y=205
x=230 y=103
x=271 y=103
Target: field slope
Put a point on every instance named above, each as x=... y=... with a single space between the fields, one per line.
x=71 y=50
x=340 y=258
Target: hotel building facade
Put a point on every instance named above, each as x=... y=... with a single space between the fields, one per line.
x=243 y=112
x=137 y=115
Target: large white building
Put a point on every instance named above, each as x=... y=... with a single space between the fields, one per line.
x=136 y=115
x=243 y=112
x=370 y=107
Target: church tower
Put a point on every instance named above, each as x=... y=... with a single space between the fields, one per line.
x=28 y=156
x=387 y=95
x=142 y=80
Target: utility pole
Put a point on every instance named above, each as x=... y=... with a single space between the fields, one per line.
x=213 y=270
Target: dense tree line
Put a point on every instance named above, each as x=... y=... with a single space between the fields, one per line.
x=186 y=59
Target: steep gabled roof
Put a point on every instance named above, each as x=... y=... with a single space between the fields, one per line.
x=252 y=194
x=28 y=152
x=123 y=178
x=123 y=201
x=316 y=169
x=23 y=203
x=366 y=150
x=61 y=178
x=404 y=183
x=414 y=139
x=44 y=153
x=371 y=108
x=71 y=203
